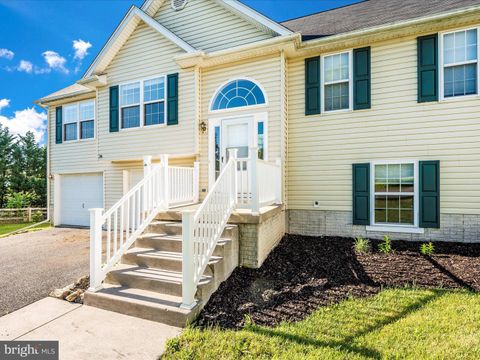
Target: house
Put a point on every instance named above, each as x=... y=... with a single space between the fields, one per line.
x=362 y=120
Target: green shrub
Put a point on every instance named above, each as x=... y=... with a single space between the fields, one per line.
x=386 y=245
x=37 y=216
x=427 y=249
x=20 y=200
x=362 y=245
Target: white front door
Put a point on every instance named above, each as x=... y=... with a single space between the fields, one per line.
x=236 y=134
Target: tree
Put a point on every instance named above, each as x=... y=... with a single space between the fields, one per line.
x=6 y=144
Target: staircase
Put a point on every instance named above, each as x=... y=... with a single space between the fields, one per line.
x=147 y=283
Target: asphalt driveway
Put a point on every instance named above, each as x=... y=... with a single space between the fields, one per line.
x=33 y=264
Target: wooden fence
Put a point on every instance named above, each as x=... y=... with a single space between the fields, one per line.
x=22 y=215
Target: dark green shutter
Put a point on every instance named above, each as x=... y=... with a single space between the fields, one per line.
x=172 y=99
x=429 y=194
x=361 y=78
x=58 y=125
x=361 y=194
x=114 y=113
x=312 y=86
x=427 y=52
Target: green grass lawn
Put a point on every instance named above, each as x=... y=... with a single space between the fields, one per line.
x=8 y=228
x=396 y=323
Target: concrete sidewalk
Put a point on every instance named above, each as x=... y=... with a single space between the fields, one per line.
x=86 y=332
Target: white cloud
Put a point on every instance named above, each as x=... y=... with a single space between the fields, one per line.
x=7 y=54
x=26 y=120
x=81 y=48
x=25 y=66
x=4 y=103
x=55 y=61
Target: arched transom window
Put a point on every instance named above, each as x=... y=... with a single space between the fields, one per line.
x=238 y=93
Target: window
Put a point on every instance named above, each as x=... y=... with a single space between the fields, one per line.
x=130 y=105
x=460 y=63
x=336 y=82
x=154 y=99
x=143 y=100
x=260 y=140
x=238 y=93
x=79 y=120
x=394 y=200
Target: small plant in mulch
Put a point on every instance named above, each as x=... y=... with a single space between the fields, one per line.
x=362 y=245
x=427 y=249
x=385 y=245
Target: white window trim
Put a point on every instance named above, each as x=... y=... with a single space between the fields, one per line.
x=442 y=66
x=217 y=121
x=78 y=121
x=403 y=228
x=350 y=83
x=142 y=103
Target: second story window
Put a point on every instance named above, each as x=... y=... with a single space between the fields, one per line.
x=336 y=82
x=143 y=103
x=460 y=63
x=79 y=120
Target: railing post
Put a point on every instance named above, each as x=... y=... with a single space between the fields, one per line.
x=29 y=214
x=147 y=169
x=233 y=154
x=95 y=249
x=278 y=182
x=254 y=180
x=165 y=181
x=188 y=263
x=196 y=181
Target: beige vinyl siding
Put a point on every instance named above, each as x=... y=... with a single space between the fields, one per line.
x=209 y=26
x=322 y=148
x=144 y=55
x=265 y=71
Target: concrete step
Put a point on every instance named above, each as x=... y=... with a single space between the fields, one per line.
x=160 y=259
x=153 y=279
x=175 y=228
x=173 y=243
x=143 y=304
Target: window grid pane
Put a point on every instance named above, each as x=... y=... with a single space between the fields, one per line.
x=336 y=68
x=238 y=93
x=154 y=89
x=394 y=194
x=260 y=135
x=131 y=117
x=71 y=132
x=87 y=129
x=154 y=113
x=337 y=96
x=70 y=113
x=87 y=111
x=130 y=94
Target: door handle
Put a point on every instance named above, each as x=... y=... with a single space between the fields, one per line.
x=83 y=205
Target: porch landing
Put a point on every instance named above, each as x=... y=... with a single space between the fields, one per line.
x=258 y=233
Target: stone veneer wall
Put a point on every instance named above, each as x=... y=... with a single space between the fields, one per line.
x=454 y=227
x=257 y=240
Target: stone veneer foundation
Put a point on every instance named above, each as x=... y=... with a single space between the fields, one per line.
x=453 y=227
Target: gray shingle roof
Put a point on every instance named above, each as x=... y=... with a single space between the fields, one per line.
x=370 y=13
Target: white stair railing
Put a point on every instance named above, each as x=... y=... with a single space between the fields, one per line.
x=202 y=229
x=259 y=182
x=113 y=232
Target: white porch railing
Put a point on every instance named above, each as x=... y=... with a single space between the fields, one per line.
x=113 y=232
x=202 y=229
x=259 y=182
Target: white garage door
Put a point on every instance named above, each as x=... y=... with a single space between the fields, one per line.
x=79 y=193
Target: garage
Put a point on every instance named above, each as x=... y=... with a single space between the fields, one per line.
x=79 y=193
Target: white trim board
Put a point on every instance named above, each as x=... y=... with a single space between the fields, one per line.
x=134 y=14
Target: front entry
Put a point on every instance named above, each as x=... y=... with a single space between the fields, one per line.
x=241 y=133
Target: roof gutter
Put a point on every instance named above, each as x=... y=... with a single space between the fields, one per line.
x=46 y=101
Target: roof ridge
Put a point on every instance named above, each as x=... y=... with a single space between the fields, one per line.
x=324 y=11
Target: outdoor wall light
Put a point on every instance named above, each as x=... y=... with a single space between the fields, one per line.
x=203 y=127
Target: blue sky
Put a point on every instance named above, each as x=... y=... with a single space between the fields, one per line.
x=48 y=44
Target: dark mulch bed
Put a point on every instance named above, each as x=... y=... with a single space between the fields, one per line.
x=303 y=273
